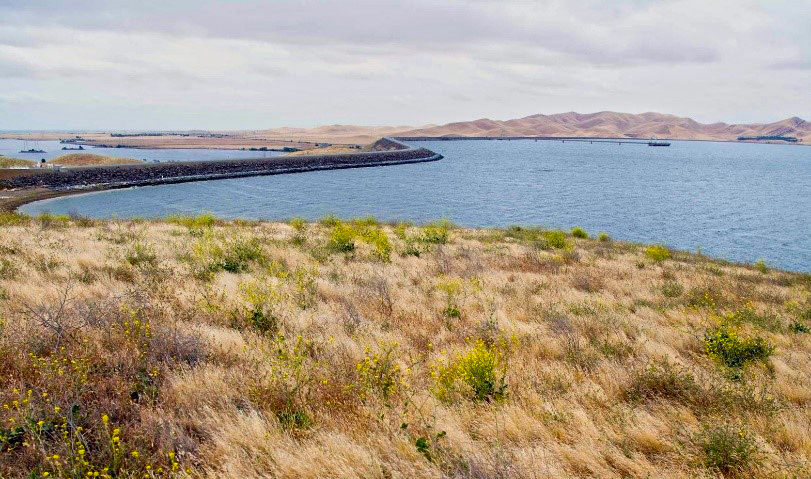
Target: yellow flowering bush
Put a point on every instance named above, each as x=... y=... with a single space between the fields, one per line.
x=436 y=233
x=379 y=241
x=342 y=239
x=379 y=372
x=59 y=447
x=481 y=371
x=657 y=253
x=723 y=345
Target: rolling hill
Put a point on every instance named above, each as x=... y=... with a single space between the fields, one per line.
x=612 y=124
x=601 y=124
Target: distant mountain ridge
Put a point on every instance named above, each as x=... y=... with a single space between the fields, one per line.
x=572 y=124
x=613 y=124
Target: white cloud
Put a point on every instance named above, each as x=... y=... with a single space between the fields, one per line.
x=255 y=64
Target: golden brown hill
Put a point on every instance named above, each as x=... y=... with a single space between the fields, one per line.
x=602 y=124
x=621 y=125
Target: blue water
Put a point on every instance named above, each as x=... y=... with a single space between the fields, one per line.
x=53 y=149
x=742 y=202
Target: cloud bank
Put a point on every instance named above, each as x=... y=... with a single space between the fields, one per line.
x=260 y=64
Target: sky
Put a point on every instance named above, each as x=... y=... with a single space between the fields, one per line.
x=196 y=64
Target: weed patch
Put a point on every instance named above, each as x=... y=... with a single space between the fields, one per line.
x=480 y=371
x=663 y=380
x=379 y=373
x=728 y=449
x=436 y=233
x=725 y=346
x=657 y=253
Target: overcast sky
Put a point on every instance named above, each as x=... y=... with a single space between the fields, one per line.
x=201 y=64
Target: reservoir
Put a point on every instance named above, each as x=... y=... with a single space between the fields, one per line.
x=738 y=201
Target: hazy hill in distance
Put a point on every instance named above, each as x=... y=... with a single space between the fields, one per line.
x=601 y=124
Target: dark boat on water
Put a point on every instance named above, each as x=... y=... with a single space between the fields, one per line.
x=31 y=150
x=654 y=142
x=65 y=148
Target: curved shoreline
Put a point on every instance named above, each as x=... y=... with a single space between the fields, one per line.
x=36 y=185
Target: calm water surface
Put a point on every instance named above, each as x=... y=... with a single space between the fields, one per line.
x=742 y=202
x=53 y=149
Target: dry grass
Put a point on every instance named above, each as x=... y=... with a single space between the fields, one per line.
x=247 y=350
x=327 y=150
x=89 y=159
x=6 y=162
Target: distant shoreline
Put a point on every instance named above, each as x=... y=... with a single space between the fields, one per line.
x=594 y=138
x=27 y=186
x=280 y=147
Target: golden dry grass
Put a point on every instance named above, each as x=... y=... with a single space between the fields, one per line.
x=251 y=349
x=6 y=162
x=323 y=151
x=89 y=159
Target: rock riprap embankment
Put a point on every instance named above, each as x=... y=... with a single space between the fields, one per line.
x=384 y=152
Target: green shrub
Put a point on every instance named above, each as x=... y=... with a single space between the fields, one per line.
x=579 y=233
x=706 y=296
x=7 y=269
x=728 y=449
x=556 y=239
x=330 y=220
x=259 y=303
x=12 y=218
x=672 y=289
x=798 y=327
x=604 y=238
x=294 y=419
x=205 y=220
x=300 y=231
x=342 y=239
x=83 y=221
x=141 y=255
x=760 y=265
x=452 y=312
x=237 y=255
x=724 y=345
x=48 y=220
x=379 y=241
x=481 y=370
x=401 y=229
x=748 y=314
x=234 y=255
x=367 y=221
x=411 y=249
x=436 y=233
x=538 y=238
x=663 y=380
x=299 y=225
x=451 y=287
x=657 y=253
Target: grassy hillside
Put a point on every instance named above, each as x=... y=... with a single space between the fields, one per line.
x=202 y=348
x=89 y=159
x=6 y=162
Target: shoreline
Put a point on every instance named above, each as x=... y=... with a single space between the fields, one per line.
x=334 y=142
x=36 y=185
